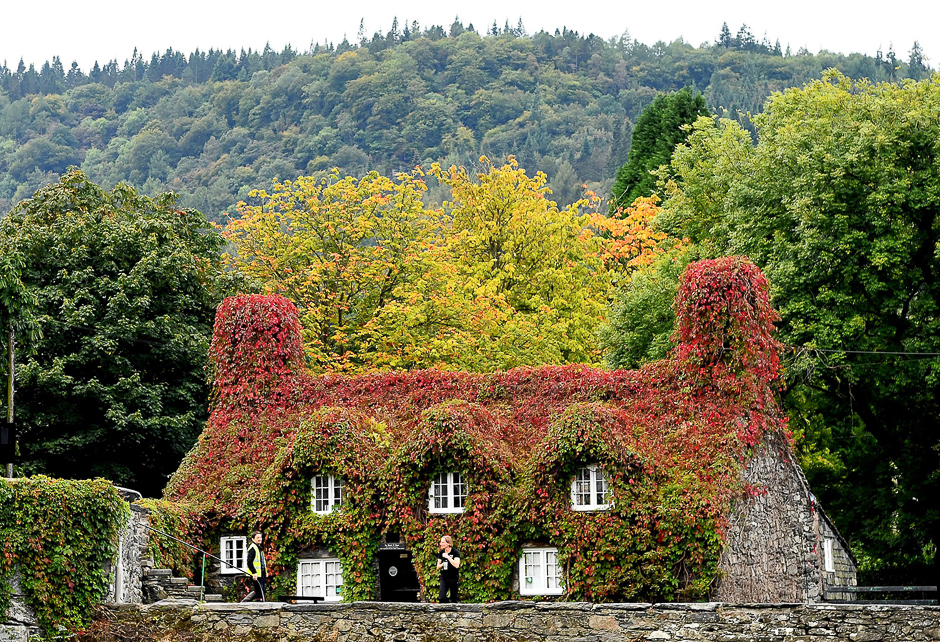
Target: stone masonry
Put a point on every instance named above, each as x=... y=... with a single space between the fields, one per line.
x=126 y=573
x=541 y=621
x=773 y=548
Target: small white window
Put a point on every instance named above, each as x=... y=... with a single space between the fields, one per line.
x=320 y=578
x=827 y=556
x=233 y=552
x=326 y=493
x=539 y=572
x=448 y=493
x=589 y=490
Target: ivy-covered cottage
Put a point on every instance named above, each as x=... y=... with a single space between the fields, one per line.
x=673 y=482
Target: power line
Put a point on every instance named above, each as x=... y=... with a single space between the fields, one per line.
x=878 y=352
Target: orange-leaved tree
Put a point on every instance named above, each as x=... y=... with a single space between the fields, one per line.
x=631 y=239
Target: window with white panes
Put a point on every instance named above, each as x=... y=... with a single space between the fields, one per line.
x=448 y=493
x=589 y=490
x=827 y=555
x=233 y=553
x=539 y=572
x=326 y=493
x=320 y=578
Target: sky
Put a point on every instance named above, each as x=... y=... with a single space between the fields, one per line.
x=105 y=29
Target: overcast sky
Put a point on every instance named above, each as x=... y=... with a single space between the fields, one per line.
x=105 y=29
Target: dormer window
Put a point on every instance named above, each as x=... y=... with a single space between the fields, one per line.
x=327 y=493
x=589 y=490
x=448 y=493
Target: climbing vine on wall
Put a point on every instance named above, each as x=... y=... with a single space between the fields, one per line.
x=670 y=438
x=178 y=520
x=350 y=446
x=61 y=536
x=456 y=436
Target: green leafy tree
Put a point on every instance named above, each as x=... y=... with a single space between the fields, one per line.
x=125 y=289
x=658 y=130
x=385 y=104
x=642 y=321
x=839 y=203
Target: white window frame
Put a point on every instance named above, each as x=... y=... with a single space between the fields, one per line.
x=325 y=577
x=598 y=485
x=828 y=559
x=231 y=554
x=543 y=560
x=447 y=491
x=334 y=486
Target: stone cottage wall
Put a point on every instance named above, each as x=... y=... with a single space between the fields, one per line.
x=771 y=552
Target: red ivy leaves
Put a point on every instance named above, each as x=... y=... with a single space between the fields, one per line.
x=672 y=434
x=256 y=346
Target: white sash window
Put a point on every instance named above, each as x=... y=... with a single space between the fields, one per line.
x=326 y=493
x=448 y=493
x=320 y=578
x=234 y=552
x=539 y=572
x=589 y=490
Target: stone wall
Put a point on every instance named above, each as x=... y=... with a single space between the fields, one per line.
x=20 y=623
x=124 y=584
x=772 y=551
x=538 y=621
x=126 y=573
x=843 y=564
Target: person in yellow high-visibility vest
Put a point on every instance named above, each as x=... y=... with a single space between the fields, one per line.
x=256 y=567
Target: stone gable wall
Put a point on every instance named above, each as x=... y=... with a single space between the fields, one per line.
x=771 y=552
x=543 y=622
x=843 y=564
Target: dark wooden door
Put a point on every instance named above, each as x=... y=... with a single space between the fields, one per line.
x=398 y=581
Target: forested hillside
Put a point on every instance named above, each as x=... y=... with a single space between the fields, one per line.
x=214 y=125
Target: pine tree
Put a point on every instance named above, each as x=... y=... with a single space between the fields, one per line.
x=724 y=39
x=658 y=130
x=916 y=68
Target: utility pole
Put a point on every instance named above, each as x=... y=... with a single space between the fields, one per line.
x=11 y=432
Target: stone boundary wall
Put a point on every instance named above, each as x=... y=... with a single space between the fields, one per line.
x=538 y=621
x=126 y=574
x=20 y=621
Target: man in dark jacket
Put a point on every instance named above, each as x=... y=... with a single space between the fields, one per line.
x=448 y=563
x=257 y=568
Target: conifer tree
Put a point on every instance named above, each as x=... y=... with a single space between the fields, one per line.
x=658 y=130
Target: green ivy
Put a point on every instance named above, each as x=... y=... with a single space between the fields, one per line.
x=60 y=535
x=177 y=520
x=671 y=438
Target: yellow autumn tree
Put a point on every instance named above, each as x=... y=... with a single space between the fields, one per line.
x=501 y=277
x=519 y=281
x=340 y=249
